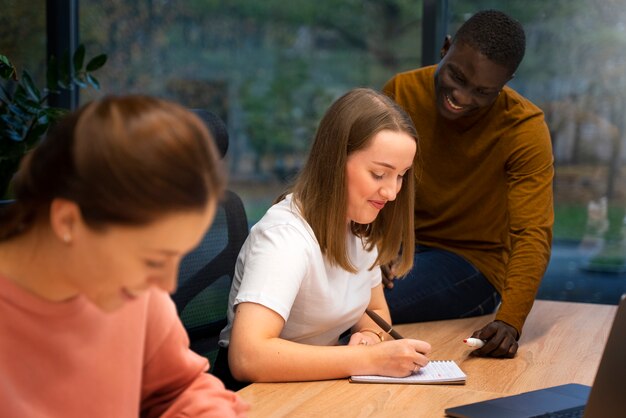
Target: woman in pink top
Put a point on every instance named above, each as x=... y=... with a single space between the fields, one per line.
x=105 y=207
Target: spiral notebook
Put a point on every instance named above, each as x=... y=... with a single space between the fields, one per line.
x=435 y=372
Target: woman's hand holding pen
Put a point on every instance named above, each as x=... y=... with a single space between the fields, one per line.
x=397 y=358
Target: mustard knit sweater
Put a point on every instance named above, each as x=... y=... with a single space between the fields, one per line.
x=484 y=187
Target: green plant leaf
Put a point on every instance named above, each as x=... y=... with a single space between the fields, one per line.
x=79 y=81
x=43 y=118
x=7 y=70
x=4 y=60
x=63 y=84
x=79 y=57
x=93 y=81
x=29 y=86
x=24 y=101
x=96 y=62
x=15 y=136
x=13 y=127
x=55 y=113
x=16 y=110
x=10 y=121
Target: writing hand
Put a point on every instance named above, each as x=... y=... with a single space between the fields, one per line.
x=388 y=275
x=501 y=340
x=398 y=358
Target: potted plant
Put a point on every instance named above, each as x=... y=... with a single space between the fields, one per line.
x=25 y=115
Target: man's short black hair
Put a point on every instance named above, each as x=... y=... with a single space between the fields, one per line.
x=496 y=35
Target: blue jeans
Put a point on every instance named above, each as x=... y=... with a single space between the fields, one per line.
x=441 y=285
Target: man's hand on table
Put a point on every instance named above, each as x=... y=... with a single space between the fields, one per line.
x=500 y=340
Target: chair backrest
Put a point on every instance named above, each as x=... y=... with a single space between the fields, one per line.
x=217 y=127
x=206 y=273
x=205 y=276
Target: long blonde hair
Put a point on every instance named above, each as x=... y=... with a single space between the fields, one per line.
x=321 y=191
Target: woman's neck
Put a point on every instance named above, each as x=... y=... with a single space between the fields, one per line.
x=34 y=261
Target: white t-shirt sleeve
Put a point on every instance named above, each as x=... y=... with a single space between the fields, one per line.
x=275 y=264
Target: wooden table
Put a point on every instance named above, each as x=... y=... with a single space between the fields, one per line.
x=562 y=342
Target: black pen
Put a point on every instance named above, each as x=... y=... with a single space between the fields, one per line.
x=383 y=324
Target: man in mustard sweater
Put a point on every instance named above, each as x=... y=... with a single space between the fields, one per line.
x=484 y=208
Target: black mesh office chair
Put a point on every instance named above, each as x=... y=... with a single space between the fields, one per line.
x=206 y=273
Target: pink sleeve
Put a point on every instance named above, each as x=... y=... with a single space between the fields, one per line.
x=175 y=382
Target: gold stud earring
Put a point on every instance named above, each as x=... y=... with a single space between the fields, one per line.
x=67 y=238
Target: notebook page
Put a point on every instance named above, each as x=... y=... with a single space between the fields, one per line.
x=439 y=371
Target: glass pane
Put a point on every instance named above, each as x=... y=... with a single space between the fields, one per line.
x=575 y=70
x=268 y=68
x=23 y=36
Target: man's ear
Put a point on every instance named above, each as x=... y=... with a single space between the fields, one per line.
x=64 y=218
x=446 y=46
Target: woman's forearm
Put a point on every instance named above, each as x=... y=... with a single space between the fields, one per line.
x=279 y=360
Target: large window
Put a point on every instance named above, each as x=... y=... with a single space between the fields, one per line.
x=269 y=68
x=23 y=36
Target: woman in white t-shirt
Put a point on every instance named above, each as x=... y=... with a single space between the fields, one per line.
x=311 y=266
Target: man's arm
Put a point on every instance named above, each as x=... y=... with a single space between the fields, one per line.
x=530 y=172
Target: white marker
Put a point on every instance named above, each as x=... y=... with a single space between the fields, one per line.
x=474 y=342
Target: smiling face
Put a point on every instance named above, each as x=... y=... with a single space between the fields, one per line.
x=374 y=174
x=466 y=81
x=114 y=266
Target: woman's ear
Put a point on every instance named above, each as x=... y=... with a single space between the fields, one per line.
x=64 y=218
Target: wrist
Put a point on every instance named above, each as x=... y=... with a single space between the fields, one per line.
x=378 y=334
x=516 y=333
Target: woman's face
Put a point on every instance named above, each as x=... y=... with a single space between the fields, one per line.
x=375 y=173
x=115 y=266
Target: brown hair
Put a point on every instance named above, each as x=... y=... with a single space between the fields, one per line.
x=123 y=160
x=320 y=189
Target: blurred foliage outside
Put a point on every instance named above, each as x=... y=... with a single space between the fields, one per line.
x=275 y=66
x=23 y=35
